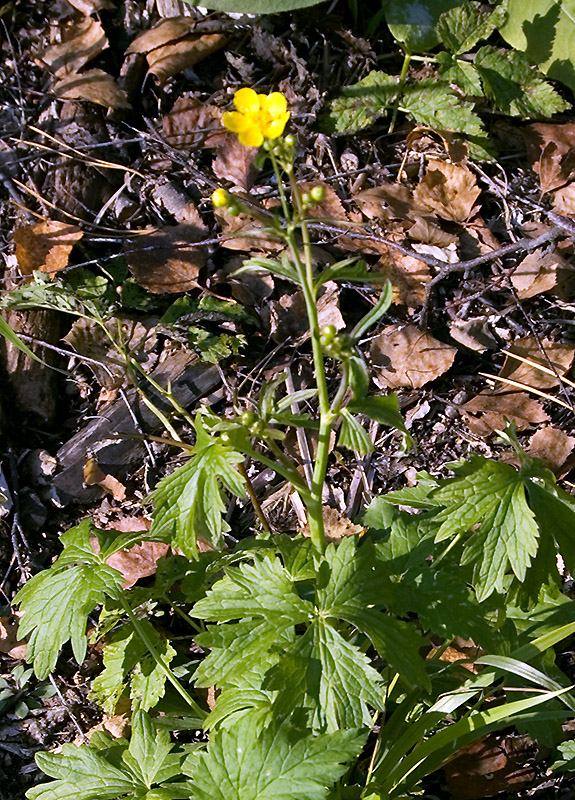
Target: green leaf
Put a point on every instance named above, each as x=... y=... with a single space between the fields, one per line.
x=545 y=30
x=255 y=6
x=555 y=516
x=462 y=27
x=148 y=750
x=567 y=761
x=283 y=268
x=263 y=589
x=280 y=763
x=83 y=774
x=56 y=603
x=381 y=408
x=435 y=104
x=361 y=104
x=460 y=72
x=7 y=333
x=491 y=496
x=79 y=292
x=353 y=435
x=515 y=87
x=375 y=313
x=214 y=349
x=413 y=22
x=189 y=502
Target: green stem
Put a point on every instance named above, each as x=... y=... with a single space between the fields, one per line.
x=402 y=76
x=141 y=632
x=290 y=475
x=182 y=614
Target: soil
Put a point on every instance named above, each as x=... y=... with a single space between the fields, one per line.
x=127 y=185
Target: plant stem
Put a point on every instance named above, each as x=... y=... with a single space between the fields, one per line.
x=141 y=632
x=402 y=77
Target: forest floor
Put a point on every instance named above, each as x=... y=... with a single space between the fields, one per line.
x=110 y=148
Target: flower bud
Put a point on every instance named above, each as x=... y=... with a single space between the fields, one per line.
x=317 y=194
x=220 y=198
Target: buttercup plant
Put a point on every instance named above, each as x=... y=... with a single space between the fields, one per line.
x=325 y=659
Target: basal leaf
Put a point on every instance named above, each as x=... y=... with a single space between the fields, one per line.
x=361 y=104
x=414 y=22
x=555 y=516
x=263 y=589
x=148 y=750
x=280 y=763
x=56 y=603
x=254 y=6
x=353 y=581
x=435 y=104
x=82 y=774
x=462 y=27
x=514 y=86
x=459 y=72
x=490 y=495
x=545 y=30
x=189 y=502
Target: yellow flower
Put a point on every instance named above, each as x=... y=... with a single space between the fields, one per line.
x=220 y=198
x=258 y=116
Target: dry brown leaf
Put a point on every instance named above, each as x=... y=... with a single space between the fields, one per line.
x=288 y=317
x=81 y=41
x=242 y=232
x=10 y=644
x=45 y=246
x=556 y=356
x=330 y=207
x=473 y=333
x=95 y=86
x=88 y=7
x=488 y=411
x=406 y=356
x=336 y=525
x=167 y=260
x=550 y=149
x=233 y=162
x=176 y=202
x=166 y=31
x=95 y=476
x=408 y=276
x=449 y=190
x=564 y=200
x=140 y=561
x=387 y=201
x=171 y=59
x=192 y=123
x=553 y=446
x=537 y=273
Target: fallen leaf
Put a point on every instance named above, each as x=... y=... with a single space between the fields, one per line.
x=330 y=207
x=449 y=190
x=385 y=202
x=473 y=333
x=408 y=276
x=95 y=86
x=552 y=445
x=171 y=59
x=243 y=232
x=233 y=162
x=10 y=644
x=336 y=525
x=556 y=356
x=190 y=123
x=488 y=411
x=45 y=246
x=537 y=273
x=81 y=41
x=288 y=317
x=406 y=356
x=564 y=200
x=551 y=149
x=88 y=7
x=176 y=202
x=167 y=30
x=95 y=476
x=167 y=260
x=140 y=561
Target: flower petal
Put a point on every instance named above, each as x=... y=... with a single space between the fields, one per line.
x=251 y=137
x=235 y=122
x=276 y=127
x=246 y=101
x=275 y=103
x=262 y=99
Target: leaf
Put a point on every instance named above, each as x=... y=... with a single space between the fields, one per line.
x=545 y=31
x=148 y=750
x=83 y=774
x=460 y=72
x=554 y=356
x=353 y=435
x=381 y=408
x=406 y=356
x=413 y=22
x=434 y=104
x=45 y=246
x=174 y=57
x=168 y=260
x=514 y=86
x=462 y=27
x=362 y=103
x=279 y=763
x=93 y=85
x=189 y=502
x=256 y=6
x=81 y=41
x=449 y=190
x=491 y=496
x=56 y=603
